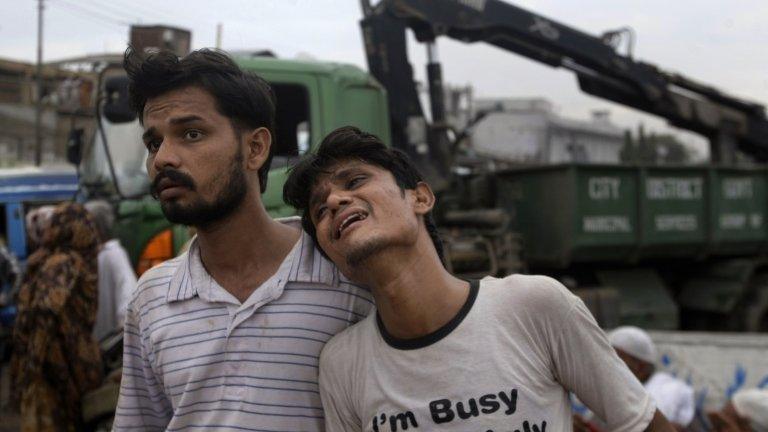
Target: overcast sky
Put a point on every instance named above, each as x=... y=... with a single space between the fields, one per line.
x=718 y=42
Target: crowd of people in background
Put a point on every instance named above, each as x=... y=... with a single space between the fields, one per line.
x=73 y=292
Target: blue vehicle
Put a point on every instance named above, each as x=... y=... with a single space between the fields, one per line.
x=23 y=189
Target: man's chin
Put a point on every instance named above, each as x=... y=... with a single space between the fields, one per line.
x=179 y=214
x=176 y=215
x=360 y=255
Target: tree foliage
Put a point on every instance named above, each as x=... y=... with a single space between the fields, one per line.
x=653 y=149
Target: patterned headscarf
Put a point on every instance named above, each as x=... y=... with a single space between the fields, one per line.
x=71 y=229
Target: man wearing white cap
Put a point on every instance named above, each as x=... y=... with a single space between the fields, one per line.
x=673 y=397
x=746 y=412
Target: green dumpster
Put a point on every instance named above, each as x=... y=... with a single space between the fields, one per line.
x=573 y=213
x=569 y=214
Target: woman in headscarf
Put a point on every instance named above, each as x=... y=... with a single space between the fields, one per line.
x=36 y=222
x=56 y=360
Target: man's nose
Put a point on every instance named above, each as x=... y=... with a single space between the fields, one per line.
x=338 y=200
x=166 y=156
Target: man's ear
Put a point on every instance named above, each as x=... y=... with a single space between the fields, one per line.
x=424 y=198
x=258 y=142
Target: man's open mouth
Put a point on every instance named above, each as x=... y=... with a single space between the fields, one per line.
x=349 y=221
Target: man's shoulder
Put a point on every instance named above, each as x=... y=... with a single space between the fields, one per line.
x=155 y=281
x=531 y=291
x=345 y=346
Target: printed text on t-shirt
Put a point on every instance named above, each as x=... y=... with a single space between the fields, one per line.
x=444 y=411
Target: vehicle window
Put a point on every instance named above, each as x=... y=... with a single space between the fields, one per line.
x=293 y=128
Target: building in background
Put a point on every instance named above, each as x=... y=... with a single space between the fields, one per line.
x=68 y=99
x=529 y=131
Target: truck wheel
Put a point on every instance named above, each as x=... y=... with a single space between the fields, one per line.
x=755 y=312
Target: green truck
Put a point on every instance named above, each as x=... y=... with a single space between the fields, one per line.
x=661 y=247
x=680 y=245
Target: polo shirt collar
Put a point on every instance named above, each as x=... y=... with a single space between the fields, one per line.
x=304 y=263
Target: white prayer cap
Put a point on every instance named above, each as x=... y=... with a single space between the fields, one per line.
x=633 y=341
x=753 y=405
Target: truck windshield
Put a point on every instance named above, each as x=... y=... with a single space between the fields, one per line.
x=128 y=156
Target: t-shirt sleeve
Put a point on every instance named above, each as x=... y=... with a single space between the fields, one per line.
x=124 y=282
x=336 y=391
x=585 y=363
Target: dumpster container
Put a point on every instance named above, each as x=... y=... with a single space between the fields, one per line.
x=673 y=207
x=573 y=213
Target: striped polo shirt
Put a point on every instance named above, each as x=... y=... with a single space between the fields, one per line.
x=195 y=358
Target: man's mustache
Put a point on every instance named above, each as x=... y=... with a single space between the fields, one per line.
x=176 y=177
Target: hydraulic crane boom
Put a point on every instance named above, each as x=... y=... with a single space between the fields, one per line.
x=728 y=122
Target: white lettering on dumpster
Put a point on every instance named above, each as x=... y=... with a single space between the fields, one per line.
x=604 y=188
x=606 y=224
x=736 y=221
x=733 y=221
x=738 y=188
x=673 y=188
x=674 y=222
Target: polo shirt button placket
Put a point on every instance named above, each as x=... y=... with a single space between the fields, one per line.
x=231 y=367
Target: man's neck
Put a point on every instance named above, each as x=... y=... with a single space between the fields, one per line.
x=244 y=250
x=415 y=295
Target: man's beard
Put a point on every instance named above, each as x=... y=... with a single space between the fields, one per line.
x=201 y=213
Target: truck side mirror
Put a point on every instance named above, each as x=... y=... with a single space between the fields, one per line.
x=75 y=146
x=116 y=108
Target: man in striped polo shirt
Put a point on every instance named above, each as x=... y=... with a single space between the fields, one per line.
x=228 y=335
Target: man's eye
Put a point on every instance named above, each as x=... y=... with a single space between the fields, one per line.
x=355 y=181
x=193 y=135
x=153 y=145
x=320 y=212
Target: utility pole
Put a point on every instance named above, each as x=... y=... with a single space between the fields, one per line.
x=219 y=31
x=39 y=107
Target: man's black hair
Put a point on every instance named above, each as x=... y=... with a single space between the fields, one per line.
x=243 y=97
x=344 y=144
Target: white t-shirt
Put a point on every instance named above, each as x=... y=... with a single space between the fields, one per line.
x=505 y=363
x=117 y=281
x=673 y=397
